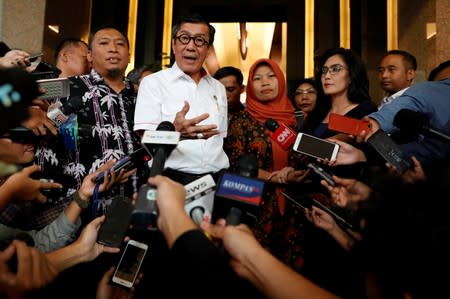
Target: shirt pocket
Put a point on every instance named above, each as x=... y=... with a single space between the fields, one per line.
x=221 y=114
x=168 y=112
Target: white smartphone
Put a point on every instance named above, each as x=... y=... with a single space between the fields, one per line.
x=130 y=263
x=55 y=88
x=316 y=147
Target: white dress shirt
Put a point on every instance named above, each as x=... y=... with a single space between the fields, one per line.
x=162 y=94
x=388 y=99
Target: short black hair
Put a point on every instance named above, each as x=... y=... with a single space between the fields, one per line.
x=229 y=71
x=70 y=41
x=434 y=72
x=106 y=26
x=135 y=74
x=410 y=59
x=310 y=81
x=195 y=19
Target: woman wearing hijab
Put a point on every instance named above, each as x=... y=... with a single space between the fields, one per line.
x=278 y=226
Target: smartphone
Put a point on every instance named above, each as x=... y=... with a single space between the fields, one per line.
x=389 y=150
x=34 y=57
x=67 y=181
x=55 y=88
x=322 y=173
x=128 y=162
x=130 y=263
x=118 y=216
x=306 y=203
x=316 y=147
x=347 y=125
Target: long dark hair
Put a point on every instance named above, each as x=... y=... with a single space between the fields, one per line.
x=358 y=90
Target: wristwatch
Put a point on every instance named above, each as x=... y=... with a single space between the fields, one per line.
x=83 y=204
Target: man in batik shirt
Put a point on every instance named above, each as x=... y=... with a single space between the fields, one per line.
x=103 y=102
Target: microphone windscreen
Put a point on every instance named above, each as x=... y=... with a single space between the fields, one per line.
x=300 y=117
x=410 y=120
x=248 y=166
x=165 y=126
x=271 y=124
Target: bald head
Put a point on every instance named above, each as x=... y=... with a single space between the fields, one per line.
x=71 y=58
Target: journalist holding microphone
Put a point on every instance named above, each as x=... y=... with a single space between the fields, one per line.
x=198 y=258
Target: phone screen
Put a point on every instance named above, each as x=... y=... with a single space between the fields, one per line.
x=315 y=147
x=130 y=263
x=118 y=216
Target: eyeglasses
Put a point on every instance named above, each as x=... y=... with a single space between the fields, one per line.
x=198 y=40
x=334 y=69
x=307 y=92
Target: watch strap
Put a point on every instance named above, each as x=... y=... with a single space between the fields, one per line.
x=83 y=204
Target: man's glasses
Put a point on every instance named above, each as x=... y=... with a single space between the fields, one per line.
x=334 y=69
x=198 y=40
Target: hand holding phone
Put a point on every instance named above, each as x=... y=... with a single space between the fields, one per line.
x=128 y=162
x=316 y=147
x=130 y=263
x=347 y=125
x=118 y=216
x=389 y=150
x=322 y=173
x=34 y=57
x=307 y=202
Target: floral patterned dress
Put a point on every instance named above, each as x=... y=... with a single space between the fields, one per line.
x=281 y=234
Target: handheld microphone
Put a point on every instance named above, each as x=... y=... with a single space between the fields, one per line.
x=238 y=196
x=281 y=134
x=300 y=117
x=416 y=122
x=159 y=144
x=248 y=166
x=200 y=199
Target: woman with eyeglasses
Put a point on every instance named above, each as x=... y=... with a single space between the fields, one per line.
x=305 y=96
x=343 y=88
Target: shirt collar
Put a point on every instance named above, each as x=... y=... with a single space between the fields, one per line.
x=176 y=73
x=398 y=93
x=96 y=78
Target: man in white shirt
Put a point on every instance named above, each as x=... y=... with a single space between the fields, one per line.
x=193 y=100
x=396 y=73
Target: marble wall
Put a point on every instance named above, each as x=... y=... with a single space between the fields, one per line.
x=22 y=24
